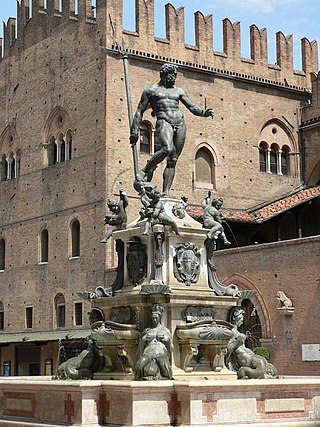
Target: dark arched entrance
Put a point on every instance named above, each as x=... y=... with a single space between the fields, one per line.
x=251 y=324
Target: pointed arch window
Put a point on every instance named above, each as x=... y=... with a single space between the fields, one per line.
x=10 y=154
x=44 y=246
x=60 y=308
x=277 y=142
x=204 y=168
x=2 y=254
x=58 y=137
x=75 y=238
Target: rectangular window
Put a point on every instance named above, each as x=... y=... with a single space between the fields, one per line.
x=29 y=317
x=75 y=239
x=2 y=254
x=78 y=313
x=61 y=316
x=44 y=246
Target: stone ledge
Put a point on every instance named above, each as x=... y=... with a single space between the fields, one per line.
x=286 y=402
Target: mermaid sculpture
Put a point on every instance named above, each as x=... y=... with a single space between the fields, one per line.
x=243 y=360
x=83 y=366
x=154 y=364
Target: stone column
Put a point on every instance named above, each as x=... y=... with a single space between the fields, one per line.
x=9 y=161
x=17 y=165
x=58 y=144
x=279 y=171
x=67 y=149
x=268 y=169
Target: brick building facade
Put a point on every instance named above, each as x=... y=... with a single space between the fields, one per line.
x=64 y=148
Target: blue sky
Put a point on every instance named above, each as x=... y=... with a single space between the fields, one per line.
x=297 y=17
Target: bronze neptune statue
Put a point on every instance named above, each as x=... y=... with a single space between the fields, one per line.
x=163 y=97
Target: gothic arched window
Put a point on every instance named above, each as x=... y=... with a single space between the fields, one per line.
x=58 y=131
x=272 y=158
x=204 y=168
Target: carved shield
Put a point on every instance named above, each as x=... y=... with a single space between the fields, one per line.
x=136 y=261
x=186 y=267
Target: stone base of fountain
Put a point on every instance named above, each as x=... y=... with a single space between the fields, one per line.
x=41 y=401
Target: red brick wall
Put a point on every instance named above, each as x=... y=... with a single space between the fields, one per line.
x=291 y=267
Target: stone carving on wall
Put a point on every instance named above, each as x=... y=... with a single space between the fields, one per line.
x=285 y=305
x=284 y=301
x=203 y=339
x=193 y=313
x=159 y=237
x=120 y=314
x=156 y=285
x=136 y=261
x=154 y=363
x=186 y=263
x=214 y=331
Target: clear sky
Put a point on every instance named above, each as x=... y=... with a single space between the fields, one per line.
x=297 y=17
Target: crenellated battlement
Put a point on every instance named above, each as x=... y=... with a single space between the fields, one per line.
x=21 y=30
x=109 y=15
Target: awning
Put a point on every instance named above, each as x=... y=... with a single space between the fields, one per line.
x=62 y=335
